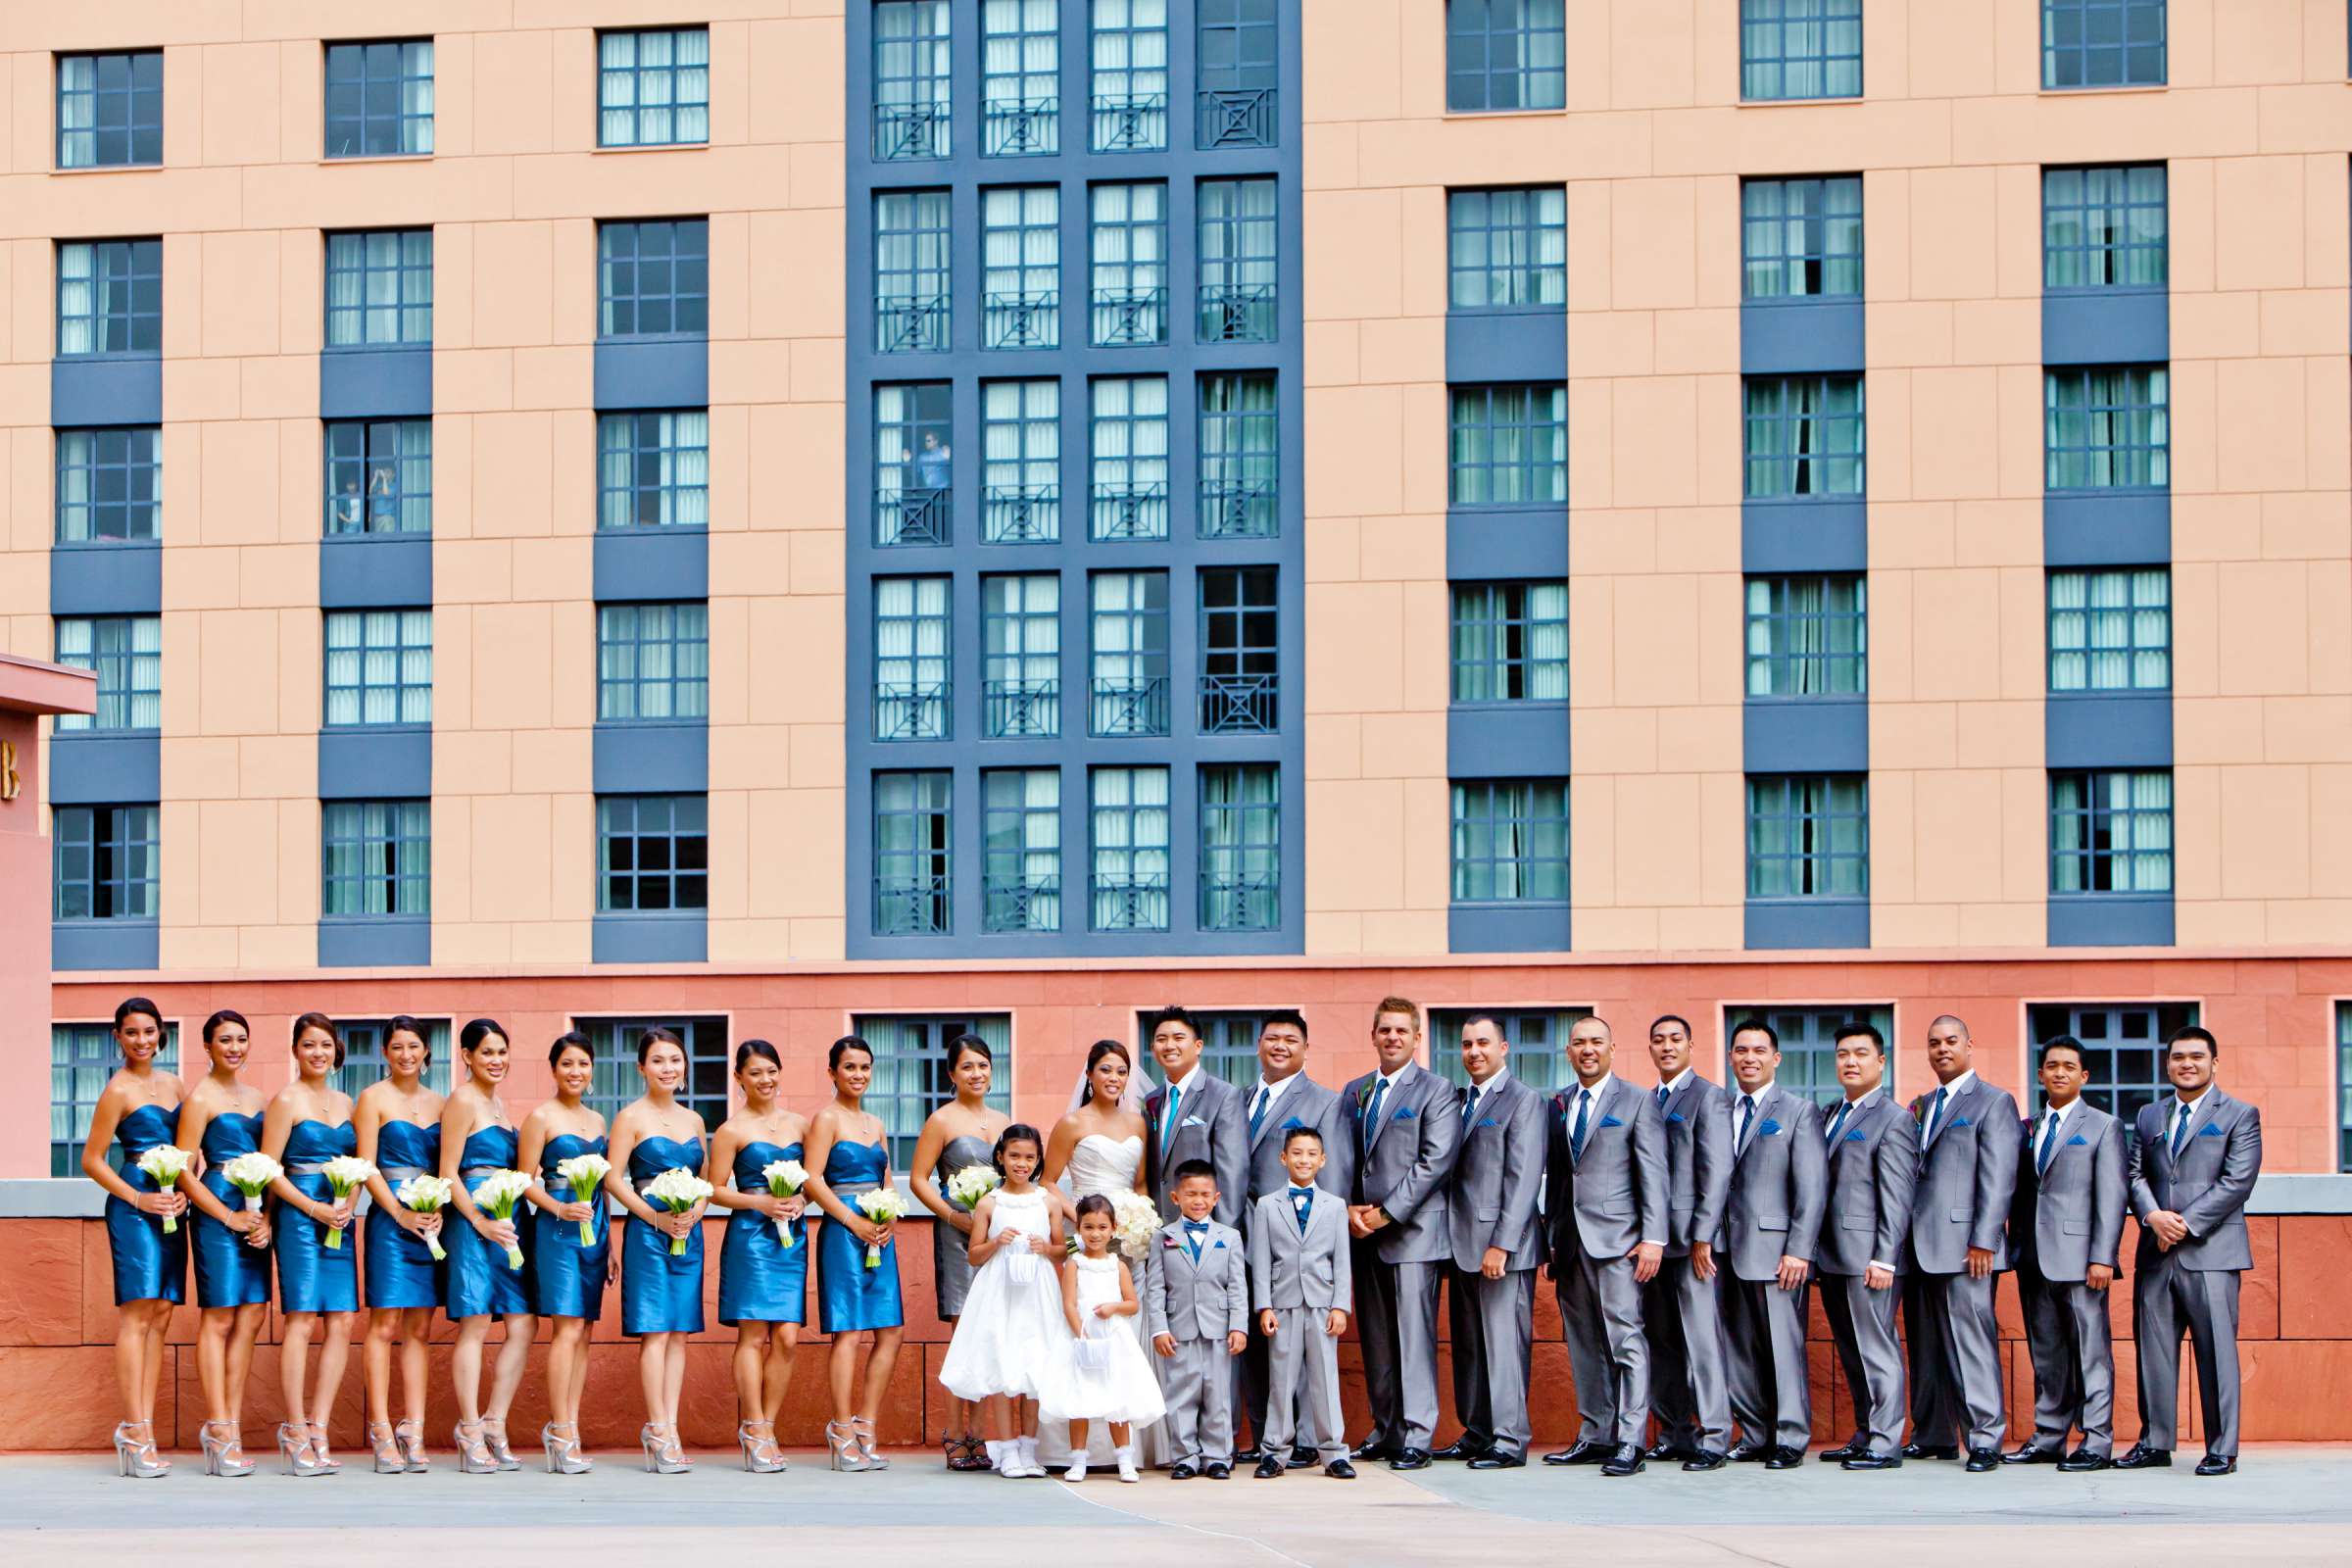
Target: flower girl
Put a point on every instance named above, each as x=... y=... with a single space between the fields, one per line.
x=1009 y=1340
x=1106 y=1378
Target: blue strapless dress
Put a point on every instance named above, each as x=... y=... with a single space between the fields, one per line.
x=401 y=1271
x=567 y=1279
x=149 y=1266
x=228 y=1273
x=760 y=1279
x=660 y=1294
x=479 y=1280
x=313 y=1277
x=850 y=1295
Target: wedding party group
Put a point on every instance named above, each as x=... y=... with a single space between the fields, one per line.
x=1164 y=1276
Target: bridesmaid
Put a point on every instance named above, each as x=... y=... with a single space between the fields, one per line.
x=567 y=1275
x=309 y=1123
x=477 y=1138
x=960 y=1133
x=762 y=1284
x=661 y=1295
x=399 y=1125
x=849 y=1156
x=151 y=1269
x=222 y=1117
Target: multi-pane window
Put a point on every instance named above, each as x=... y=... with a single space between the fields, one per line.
x=1129 y=262
x=109 y=484
x=1808 y=836
x=911 y=77
x=1809 y=1045
x=654 y=278
x=2102 y=43
x=1020 y=77
x=1020 y=636
x=1508 y=249
x=913 y=647
x=913 y=464
x=1237 y=58
x=1801 y=238
x=653 y=470
x=376 y=857
x=83 y=1059
x=1128 y=638
x=2111 y=832
x=110 y=297
x=2103 y=226
x=1021 y=843
x=379 y=288
x=1510 y=642
x=653 y=662
x=364 y=1054
x=1808 y=636
x=653 y=853
x=107 y=862
x=2108 y=427
x=2111 y=630
x=1128 y=835
x=1539 y=1039
x=1020 y=475
x=1509 y=445
x=1240 y=457
x=127 y=654
x=380 y=667
x=110 y=110
x=1803 y=436
x=1128 y=75
x=615 y=1080
x=1129 y=486
x=1236 y=261
x=1800 y=49
x=653 y=88
x=1020 y=258
x=2123 y=1049
x=913 y=853
x=2343 y=1084
x=1240 y=659
x=379 y=476
x=1507 y=54
x=911 y=1069
x=1241 y=848
x=1510 y=840
x=380 y=98
x=911 y=271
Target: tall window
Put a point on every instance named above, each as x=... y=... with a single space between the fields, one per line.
x=1241 y=848
x=1538 y=1037
x=1128 y=809
x=1236 y=261
x=653 y=470
x=1510 y=642
x=2103 y=226
x=911 y=1069
x=653 y=853
x=1808 y=636
x=380 y=98
x=110 y=297
x=653 y=88
x=110 y=110
x=1021 y=633
x=913 y=853
x=2111 y=832
x=127 y=654
x=379 y=288
x=1510 y=445
x=1809 y=1045
x=106 y=859
x=2108 y=427
x=1508 y=249
x=1022 y=841
x=2123 y=1049
x=1129 y=637
x=1800 y=49
x=1021 y=257
x=1507 y=54
x=376 y=857
x=911 y=77
x=1510 y=840
x=1128 y=67
x=615 y=1080
x=1240 y=457
x=654 y=278
x=1130 y=262
x=1020 y=77
x=1808 y=836
x=1020 y=479
x=653 y=662
x=363 y=1054
x=1130 y=483
x=1235 y=67
x=110 y=485
x=912 y=270
x=1801 y=238
x=2102 y=43
x=380 y=667
x=379 y=476
x=2343 y=1084
x=1805 y=436
x=2111 y=630
x=914 y=463
x=913 y=647
x=1239 y=651
x=82 y=1060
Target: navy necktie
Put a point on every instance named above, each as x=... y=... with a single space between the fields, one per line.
x=1469 y=1105
x=1664 y=1094
x=1303 y=1200
x=1380 y=1093
x=1258 y=1113
x=1927 y=1129
x=1747 y=1112
x=1838 y=1125
x=1576 y=1133
x=2049 y=1140
x=2182 y=1114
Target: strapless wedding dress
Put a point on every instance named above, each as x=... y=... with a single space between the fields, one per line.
x=1104 y=1164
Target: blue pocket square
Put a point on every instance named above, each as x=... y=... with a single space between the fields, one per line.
x=2209 y=1130
x=1488 y=1121
x=1192 y=1121
x=1406 y=1114
x=1293 y=1122
x=1218 y=1248
x=1768 y=1128
x=1674 y=1115
x=2080 y=1140
x=1959 y=1121
x=1857 y=1136
x=1610 y=1121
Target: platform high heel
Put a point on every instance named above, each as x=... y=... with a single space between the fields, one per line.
x=757 y=1440
x=134 y=1453
x=561 y=1441
x=385 y=1449
x=223 y=1452
x=411 y=1437
x=864 y=1429
x=297 y=1456
x=841 y=1446
x=494 y=1433
x=473 y=1454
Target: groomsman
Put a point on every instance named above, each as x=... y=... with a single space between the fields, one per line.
x=1193 y=1115
x=1773 y=1222
x=2197 y=1154
x=1498 y=1180
x=1682 y=1308
x=1608 y=1202
x=2068 y=1228
x=1874 y=1165
x=1404 y=1127
x=1968 y=1150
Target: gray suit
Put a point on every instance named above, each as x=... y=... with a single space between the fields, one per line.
x=1778 y=1189
x=1599 y=1206
x=1301 y=1275
x=1967 y=1180
x=1404 y=1161
x=1303 y=1102
x=1873 y=1156
x=2196 y=1283
x=1498 y=1183
x=1196 y=1302
x=1209 y=1125
x=2069 y=1215
x=1682 y=1313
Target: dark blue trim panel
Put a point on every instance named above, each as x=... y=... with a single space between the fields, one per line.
x=95 y=769
x=101 y=390
x=375 y=762
x=2108 y=729
x=1808 y=924
x=1800 y=335
x=2111 y=529
x=1811 y=735
x=103 y=945
x=1500 y=544
x=651 y=564
x=2112 y=920
x=1804 y=536
x=652 y=759
x=381 y=941
x=375 y=383
x=110 y=579
x=651 y=938
x=1508 y=740
x=665 y=372
x=1508 y=928
x=376 y=571
x=2107 y=326
x=1506 y=346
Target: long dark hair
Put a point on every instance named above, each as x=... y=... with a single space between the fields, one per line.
x=1102 y=1049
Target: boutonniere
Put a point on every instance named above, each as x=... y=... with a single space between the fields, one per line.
x=1919 y=1112
x=1363 y=1097
x=1170 y=1241
x=1767 y=1128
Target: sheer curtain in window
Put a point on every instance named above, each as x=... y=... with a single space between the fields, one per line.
x=686 y=469
x=77 y=111
x=1041 y=848
x=417 y=98
x=77 y=299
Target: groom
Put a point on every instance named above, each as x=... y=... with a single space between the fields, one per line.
x=1193 y=1115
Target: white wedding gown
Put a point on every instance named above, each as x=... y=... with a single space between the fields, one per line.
x=1106 y=1165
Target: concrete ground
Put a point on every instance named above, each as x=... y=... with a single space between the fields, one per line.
x=2287 y=1505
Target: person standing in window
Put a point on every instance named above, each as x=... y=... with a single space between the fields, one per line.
x=957 y=1135
x=141 y=1105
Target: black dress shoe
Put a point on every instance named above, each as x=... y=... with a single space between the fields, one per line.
x=1705 y=1459
x=1302 y=1456
x=2218 y=1464
x=1462 y=1448
x=1748 y=1453
x=2083 y=1459
x=1981 y=1460
x=1785 y=1458
x=1873 y=1461
x=1268 y=1468
x=2026 y=1454
x=1665 y=1450
x=1216 y=1471
x=1340 y=1470
x=1500 y=1460
x=1181 y=1472
x=1581 y=1454
x=1840 y=1453
x=1250 y=1455
x=1626 y=1460
x=1410 y=1459
x=1369 y=1447
x=1930 y=1451
x=2142 y=1457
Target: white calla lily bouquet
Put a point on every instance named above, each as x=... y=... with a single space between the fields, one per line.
x=971 y=1184
x=425 y=1194
x=883 y=1205
x=497 y=1196
x=584 y=1174
x=166 y=1163
x=677 y=1190
x=785 y=1178
x=251 y=1174
x=345 y=1175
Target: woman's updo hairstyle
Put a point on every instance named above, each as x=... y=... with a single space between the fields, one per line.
x=477 y=1030
x=760 y=1050
x=402 y=1024
x=656 y=1036
x=319 y=1020
x=1102 y=1049
x=843 y=1045
x=972 y=1043
x=132 y=1006
x=212 y=1025
x=567 y=1041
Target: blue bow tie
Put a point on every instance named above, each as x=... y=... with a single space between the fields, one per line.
x=1198 y=1227
x=1300 y=1193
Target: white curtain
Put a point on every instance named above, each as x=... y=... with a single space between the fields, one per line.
x=417 y=97
x=77 y=299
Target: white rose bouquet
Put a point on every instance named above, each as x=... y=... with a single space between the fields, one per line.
x=497 y=1197
x=882 y=1205
x=584 y=1174
x=425 y=1194
x=677 y=1190
x=785 y=1179
x=165 y=1163
x=971 y=1184
x=1136 y=1222
x=251 y=1174
x=345 y=1175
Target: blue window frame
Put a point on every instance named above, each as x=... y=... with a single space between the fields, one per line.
x=1509 y=445
x=1235 y=258
x=127 y=654
x=1809 y=1045
x=913 y=77
x=1128 y=75
x=376 y=857
x=2111 y=832
x=653 y=88
x=380 y=98
x=1510 y=841
x=379 y=288
x=1803 y=437
x=653 y=853
x=912 y=273
x=2108 y=427
x=1020 y=77
x=913 y=853
x=83 y=1059
x=108 y=861
x=1507 y=250
x=1539 y=1039
x=1128 y=654
x=1020 y=475
x=1236 y=63
x=109 y=484
x=1128 y=849
x=653 y=470
x=914 y=644
x=914 y=464
x=1020 y=634
x=1021 y=845
x=1240 y=847
x=1808 y=636
x=2103 y=43
x=2104 y=226
x=615 y=1080
x=1800 y=49
x=2343 y=1084
x=1506 y=54
x=1801 y=238
x=110 y=110
x=1130 y=262
x=1241 y=661
x=379 y=476
x=1020 y=260
x=380 y=668
x=1130 y=458
x=2123 y=1049
x=653 y=662
x=110 y=297
x=363 y=1054
x=1808 y=836
x=911 y=1069
x=1510 y=642
x=2111 y=630
x=1240 y=455
x=654 y=278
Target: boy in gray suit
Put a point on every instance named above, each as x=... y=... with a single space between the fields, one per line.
x=1196 y=1310
x=1300 y=1286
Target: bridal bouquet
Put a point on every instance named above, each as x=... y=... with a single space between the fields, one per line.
x=584 y=1174
x=345 y=1175
x=677 y=1190
x=425 y=1194
x=252 y=1174
x=882 y=1205
x=1136 y=1221
x=971 y=1184
x=164 y=1163
x=497 y=1196
x=785 y=1178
